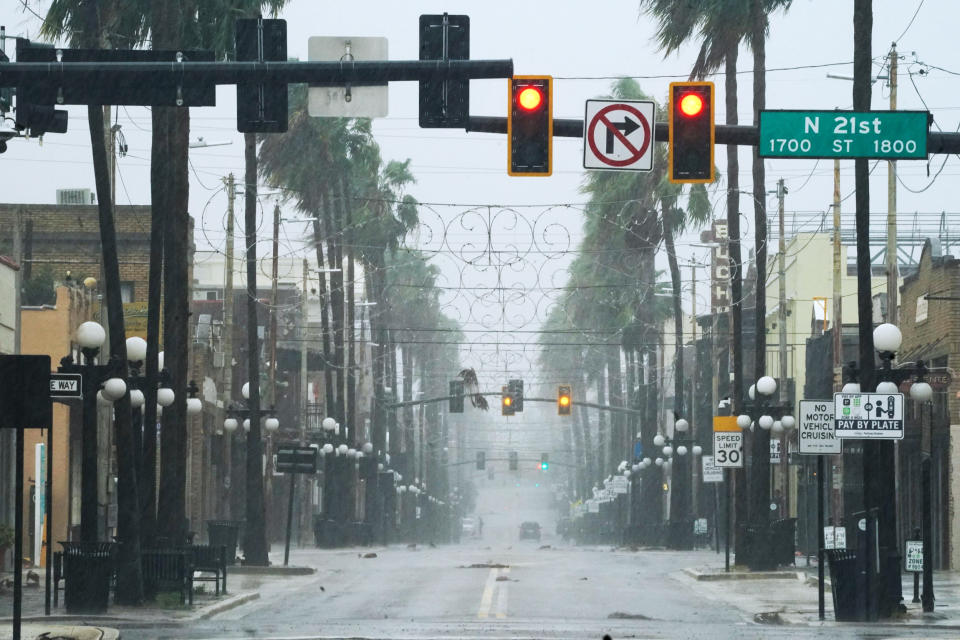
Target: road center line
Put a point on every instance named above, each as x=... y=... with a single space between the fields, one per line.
x=487 y=598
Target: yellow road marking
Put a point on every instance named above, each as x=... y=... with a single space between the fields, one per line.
x=487 y=598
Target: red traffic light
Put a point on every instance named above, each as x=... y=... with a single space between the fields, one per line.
x=529 y=98
x=691 y=105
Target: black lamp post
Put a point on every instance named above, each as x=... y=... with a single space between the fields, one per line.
x=91 y=336
x=762 y=412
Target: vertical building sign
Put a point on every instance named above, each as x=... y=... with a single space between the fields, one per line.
x=719 y=266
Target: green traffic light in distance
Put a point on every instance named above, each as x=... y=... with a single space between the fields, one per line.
x=544 y=466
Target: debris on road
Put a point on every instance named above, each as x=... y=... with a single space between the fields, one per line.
x=620 y=615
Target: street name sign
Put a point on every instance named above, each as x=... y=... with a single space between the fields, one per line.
x=711 y=472
x=914 y=555
x=293 y=458
x=816 y=431
x=618 y=135
x=868 y=415
x=727 y=442
x=66 y=385
x=891 y=135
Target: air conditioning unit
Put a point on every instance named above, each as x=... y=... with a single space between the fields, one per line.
x=75 y=197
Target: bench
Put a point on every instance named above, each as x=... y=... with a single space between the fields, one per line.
x=168 y=569
x=210 y=559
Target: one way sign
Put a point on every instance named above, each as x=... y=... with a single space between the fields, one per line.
x=65 y=385
x=618 y=135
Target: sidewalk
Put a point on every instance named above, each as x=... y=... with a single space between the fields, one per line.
x=790 y=596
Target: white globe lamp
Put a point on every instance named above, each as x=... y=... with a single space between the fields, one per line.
x=136 y=349
x=887 y=337
x=91 y=335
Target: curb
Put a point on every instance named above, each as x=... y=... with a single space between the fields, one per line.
x=740 y=575
x=272 y=571
x=226 y=605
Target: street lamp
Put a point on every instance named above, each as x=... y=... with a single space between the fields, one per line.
x=769 y=417
x=90 y=336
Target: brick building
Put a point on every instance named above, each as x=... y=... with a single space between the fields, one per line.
x=930 y=322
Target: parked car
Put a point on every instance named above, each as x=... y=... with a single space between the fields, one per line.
x=530 y=531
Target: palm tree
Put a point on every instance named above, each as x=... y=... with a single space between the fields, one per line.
x=86 y=25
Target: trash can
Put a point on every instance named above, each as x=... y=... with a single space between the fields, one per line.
x=224 y=533
x=88 y=569
x=849 y=603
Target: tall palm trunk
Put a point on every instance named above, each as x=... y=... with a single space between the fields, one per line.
x=616 y=450
x=351 y=360
x=255 y=535
x=167 y=20
x=736 y=280
x=324 y=319
x=333 y=229
x=760 y=470
x=409 y=455
x=129 y=578
x=603 y=430
x=679 y=495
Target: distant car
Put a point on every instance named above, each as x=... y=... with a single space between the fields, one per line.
x=468 y=526
x=530 y=531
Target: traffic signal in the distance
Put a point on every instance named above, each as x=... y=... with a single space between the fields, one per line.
x=564 y=400
x=506 y=402
x=481 y=460
x=544 y=462
x=691 y=132
x=456 y=396
x=530 y=126
x=514 y=461
x=515 y=387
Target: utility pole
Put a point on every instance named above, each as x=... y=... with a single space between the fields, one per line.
x=892 y=205
x=782 y=325
x=227 y=343
x=837 y=282
x=304 y=389
x=782 y=305
x=274 y=274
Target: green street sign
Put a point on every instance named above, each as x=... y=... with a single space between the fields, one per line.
x=891 y=135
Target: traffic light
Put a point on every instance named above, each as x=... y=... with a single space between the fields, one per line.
x=514 y=461
x=506 y=402
x=456 y=396
x=564 y=400
x=544 y=462
x=530 y=126
x=481 y=460
x=691 y=132
x=515 y=387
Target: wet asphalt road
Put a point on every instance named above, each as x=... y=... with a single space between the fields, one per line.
x=555 y=592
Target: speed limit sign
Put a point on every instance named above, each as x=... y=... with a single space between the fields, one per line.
x=727 y=442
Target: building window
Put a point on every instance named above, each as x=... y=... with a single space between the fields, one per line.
x=211 y=295
x=126 y=292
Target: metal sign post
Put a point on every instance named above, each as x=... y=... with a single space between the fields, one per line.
x=24 y=404
x=293 y=459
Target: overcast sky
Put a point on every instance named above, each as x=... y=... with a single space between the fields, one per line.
x=584 y=46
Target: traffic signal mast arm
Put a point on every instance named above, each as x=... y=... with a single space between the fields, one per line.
x=578 y=403
x=741 y=135
x=355 y=73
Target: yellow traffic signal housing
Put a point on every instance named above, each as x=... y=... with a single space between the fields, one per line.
x=564 y=400
x=530 y=126
x=506 y=402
